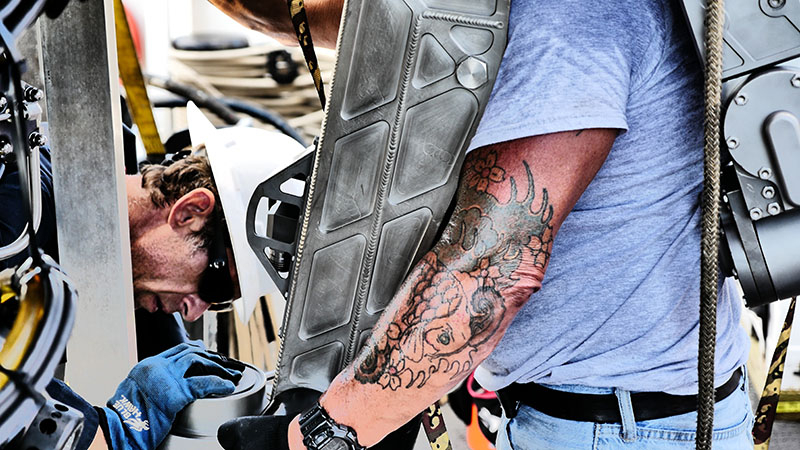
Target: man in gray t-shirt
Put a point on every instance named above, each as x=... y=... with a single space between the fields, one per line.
x=619 y=304
x=587 y=163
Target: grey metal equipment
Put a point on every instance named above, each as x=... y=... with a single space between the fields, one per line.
x=21 y=398
x=38 y=300
x=56 y=426
x=376 y=192
x=195 y=427
x=33 y=113
x=761 y=136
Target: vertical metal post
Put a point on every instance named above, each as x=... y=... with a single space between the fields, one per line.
x=80 y=68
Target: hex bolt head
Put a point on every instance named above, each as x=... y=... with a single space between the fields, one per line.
x=33 y=94
x=5 y=147
x=37 y=139
x=3 y=104
x=732 y=143
x=740 y=99
x=776 y=4
x=768 y=192
x=796 y=81
x=774 y=209
x=764 y=173
x=756 y=213
x=472 y=73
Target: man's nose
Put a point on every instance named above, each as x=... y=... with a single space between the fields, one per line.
x=192 y=307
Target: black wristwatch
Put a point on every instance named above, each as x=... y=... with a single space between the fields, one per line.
x=320 y=432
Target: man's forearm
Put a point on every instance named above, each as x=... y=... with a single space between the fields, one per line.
x=449 y=314
x=271 y=17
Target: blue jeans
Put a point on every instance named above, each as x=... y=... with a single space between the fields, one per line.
x=531 y=429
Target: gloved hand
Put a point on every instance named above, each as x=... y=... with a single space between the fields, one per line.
x=267 y=432
x=140 y=414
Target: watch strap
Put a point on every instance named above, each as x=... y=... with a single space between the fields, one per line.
x=319 y=429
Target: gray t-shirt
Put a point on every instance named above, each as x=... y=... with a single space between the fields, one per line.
x=619 y=302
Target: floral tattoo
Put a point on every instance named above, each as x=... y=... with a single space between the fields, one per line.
x=449 y=313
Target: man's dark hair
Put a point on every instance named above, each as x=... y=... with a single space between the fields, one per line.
x=166 y=184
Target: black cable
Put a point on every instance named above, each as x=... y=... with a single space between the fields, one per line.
x=256 y=112
x=208 y=102
x=265 y=116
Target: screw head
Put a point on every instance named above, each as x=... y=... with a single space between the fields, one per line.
x=37 y=139
x=740 y=99
x=768 y=192
x=472 y=73
x=756 y=213
x=776 y=4
x=773 y=208
x=32 y=94
x=764 y=173
x=732 y=143
x=796 y=81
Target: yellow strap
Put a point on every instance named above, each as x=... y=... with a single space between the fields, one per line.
x=297 y=13
x=131 y=75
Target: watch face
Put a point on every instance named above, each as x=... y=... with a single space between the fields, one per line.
x=336 y=444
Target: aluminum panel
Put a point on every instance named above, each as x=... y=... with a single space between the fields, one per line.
x=376 y=82
x=428 y=149
x=357 y=160
x=472 y=41
x=373 y=77
x=434 y=63
x=314 y=367
x=400 y=240
x=331 y=287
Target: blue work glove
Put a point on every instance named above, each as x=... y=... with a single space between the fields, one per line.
x=140 y=414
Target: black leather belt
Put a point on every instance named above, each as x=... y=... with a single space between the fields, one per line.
x=603 y=408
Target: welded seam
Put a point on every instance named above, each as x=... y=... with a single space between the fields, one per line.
x=463 y=20
x=386 y=176
x=307 y=211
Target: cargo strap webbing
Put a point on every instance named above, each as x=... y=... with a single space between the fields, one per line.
x=432 y=419
x=131 y=75
x=297 y=12
x=768 y=405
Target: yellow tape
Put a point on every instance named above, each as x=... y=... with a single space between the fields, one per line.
x=131 y=75
x=19 y=340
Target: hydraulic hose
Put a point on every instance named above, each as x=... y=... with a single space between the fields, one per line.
x=225 y=108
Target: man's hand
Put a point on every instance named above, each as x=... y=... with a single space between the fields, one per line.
x=141 y=412
x=271 y=17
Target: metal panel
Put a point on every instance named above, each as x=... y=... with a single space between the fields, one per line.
x=401 y=64
x=79 y=61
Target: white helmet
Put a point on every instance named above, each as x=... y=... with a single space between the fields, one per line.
x=241 y=158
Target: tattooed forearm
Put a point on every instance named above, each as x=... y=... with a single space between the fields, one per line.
x=463 y=287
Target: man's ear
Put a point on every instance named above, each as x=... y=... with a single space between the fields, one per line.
x=192 y=210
